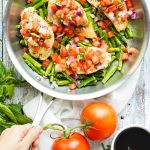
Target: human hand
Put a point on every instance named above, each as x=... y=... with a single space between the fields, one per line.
x=20 y=137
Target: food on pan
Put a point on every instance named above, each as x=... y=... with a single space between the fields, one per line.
x=37 y=33
x=77 y=43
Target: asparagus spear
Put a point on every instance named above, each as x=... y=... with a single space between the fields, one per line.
x=68 y=77
x=31 y=60
x=86 y=81
x=109 y=74
x=41 y=13
x=49 y=68
x=52 y=76
x=63 y=82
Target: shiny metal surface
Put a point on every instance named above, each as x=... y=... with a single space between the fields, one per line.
x=140 y=41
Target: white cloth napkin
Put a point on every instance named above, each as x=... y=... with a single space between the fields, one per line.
x=64 y=111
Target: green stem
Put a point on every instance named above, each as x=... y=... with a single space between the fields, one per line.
x=52 y=72
x=109 y=74
x=41 y=13
x=63 y=82
x=30 y=59
x=86 y=81
x=49 y=68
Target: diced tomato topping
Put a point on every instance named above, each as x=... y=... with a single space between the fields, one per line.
x=89 y=63
x=69 y=72
x=25 y=16
x=95 y=60
x=56 y=44
x=124 y=18
x=45 y=63
x=36 y=48
x=54 y=8
x=26 y=50
x=129 y=3
x=70 y=33
x=98 y=53
x=59 y=13
x=54 y=56
x=58 y=60
x=54 y=28
x=47 y=44
x=82 y=50
x=79 y=20
x=89 y=55
x=35 y=25
x=96 y=43
x=74 y=52
x=110 y=34
x=72 y=86
x=83 y=1
x=65 y=11
x=111 y=8
x=29 y=1
x=122 y=8
x=66 y=29
x=125 y=56
x=60 y=29
x=41 y=43
x=63 y=51
x=74 y=6
x=73 y=65
x=102 y=24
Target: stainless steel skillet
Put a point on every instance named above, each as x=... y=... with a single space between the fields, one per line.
x=140 y=41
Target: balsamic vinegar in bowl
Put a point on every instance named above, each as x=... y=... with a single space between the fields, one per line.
x=133 y=138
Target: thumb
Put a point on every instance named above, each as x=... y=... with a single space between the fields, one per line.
x=31 y=136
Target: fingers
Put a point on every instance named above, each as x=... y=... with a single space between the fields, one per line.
x=20 y=131
x=35 y=143
x=31 y=137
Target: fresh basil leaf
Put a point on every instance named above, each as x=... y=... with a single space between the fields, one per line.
x=9 y=90
x=17 y=107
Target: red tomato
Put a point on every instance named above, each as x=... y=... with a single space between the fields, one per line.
x=36 y=48
x=69 y=72
x=102 y=24
x=65 y=11
x=63 y=51
x=96 y=43
x=104 y=120
x=88 y=56
x=125 y=56
x=56 y=44
x=54 y=28
x=129 y=3
x=74 y=142
x=74 y=52
x=59 y=13
x=73 y=65
x=54 y=56
x=110 y=34
x=54 y=8
x=79 y=20
x=82 y=50
x=111 y=8
x=45 y=63
x=83 y=1
x=72 y=86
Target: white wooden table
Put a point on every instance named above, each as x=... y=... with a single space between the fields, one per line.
x=136 y=112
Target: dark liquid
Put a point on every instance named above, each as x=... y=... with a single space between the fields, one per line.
x=133 y=139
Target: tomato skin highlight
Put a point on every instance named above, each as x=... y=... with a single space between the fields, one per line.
x=75 y=142
x=104 y=120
